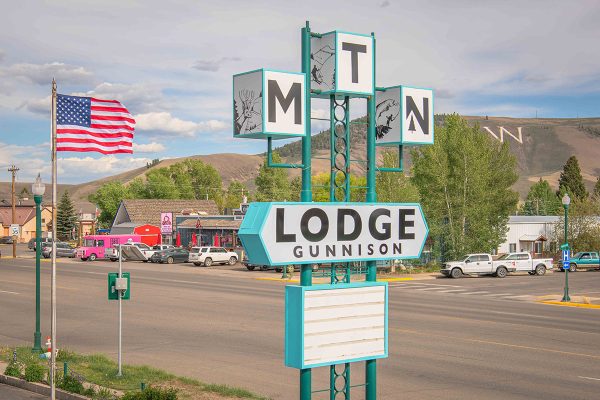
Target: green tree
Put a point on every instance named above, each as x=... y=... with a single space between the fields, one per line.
x=66 y=217
x=541 y=200
x=584 y=228
x=394 y=187
x=464 y=181
x=296 y=187
x=596 y=192
x=272 y=183
x=108 y=197
x=571 y=180
x=161 y=185
x=235 y=193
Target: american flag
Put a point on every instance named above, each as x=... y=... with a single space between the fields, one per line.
x=90 y=124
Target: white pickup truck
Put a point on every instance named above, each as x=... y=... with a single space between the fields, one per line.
x=483 y=264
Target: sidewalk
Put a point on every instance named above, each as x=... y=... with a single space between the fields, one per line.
x=13 y=393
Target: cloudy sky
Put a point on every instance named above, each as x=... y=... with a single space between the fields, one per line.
x=170 y=63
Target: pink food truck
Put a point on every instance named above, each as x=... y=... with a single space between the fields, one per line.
x=98 y=246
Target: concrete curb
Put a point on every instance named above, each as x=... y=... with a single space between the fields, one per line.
x=395 y=279
x=569 y=304
x=39 y=388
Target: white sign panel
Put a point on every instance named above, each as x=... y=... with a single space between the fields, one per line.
x=335 y=325
x=322 y=63
x=404 y=115
x=388 y=116
x=247 y=103
x=417 y=115
x=301 y=233
x=269 y=104
x=15 y=230
x=166 y=223
x=354 y=63
x=284 y=102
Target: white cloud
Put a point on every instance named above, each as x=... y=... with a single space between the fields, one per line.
x=71 y=167
x=136 y=97
x=165 y=122
x=42 y=74
x=213 y=65
x=38 y=106
x=153 y=147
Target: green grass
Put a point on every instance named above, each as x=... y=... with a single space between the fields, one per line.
x=100 y=370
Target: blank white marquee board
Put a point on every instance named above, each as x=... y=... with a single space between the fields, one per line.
x=335 y=324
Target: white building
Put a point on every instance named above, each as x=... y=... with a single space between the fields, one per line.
x=530 y=233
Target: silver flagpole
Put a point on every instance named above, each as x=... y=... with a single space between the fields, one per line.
x=54 y=222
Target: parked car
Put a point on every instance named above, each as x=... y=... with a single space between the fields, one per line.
x=483 y=264
x=6 y=240
x=170 y=256
x=252 y=267
x=132 y=251
x=62 y=250
x=159 y=247
x=208 y=256
x=583 y=260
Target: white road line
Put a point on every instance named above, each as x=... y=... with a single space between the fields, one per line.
x=587 y=377
x=471 y=293
x=6 y=291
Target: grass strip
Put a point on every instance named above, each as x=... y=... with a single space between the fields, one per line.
x=101 y=370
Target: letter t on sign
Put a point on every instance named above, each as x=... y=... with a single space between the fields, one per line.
x=354 y=49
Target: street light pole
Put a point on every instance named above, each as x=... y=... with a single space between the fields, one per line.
x=566 y=200
x=38 y=190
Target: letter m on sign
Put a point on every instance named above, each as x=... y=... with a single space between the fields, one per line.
x=285 y=102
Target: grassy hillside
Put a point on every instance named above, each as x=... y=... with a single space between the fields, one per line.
x=546 y=145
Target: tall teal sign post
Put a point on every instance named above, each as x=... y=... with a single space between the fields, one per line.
x=345 y=321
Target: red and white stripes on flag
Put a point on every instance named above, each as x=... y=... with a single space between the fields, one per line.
x=90 y=124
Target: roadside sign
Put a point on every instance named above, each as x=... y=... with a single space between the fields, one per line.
x=166 y=223
x=112 y=286
x=305 y=233
x=15 y=230
x=269 y=104
x=323 y=324
x=404 y=115
x=566 y=259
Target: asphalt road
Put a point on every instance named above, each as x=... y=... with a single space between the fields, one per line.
x=472 y=338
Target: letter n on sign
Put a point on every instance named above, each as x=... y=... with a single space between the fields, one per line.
x=269 y=104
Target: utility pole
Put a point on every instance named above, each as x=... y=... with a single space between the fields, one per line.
x=13 y=169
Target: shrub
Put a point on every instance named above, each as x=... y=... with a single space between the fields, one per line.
x=13 y=369
x=152 y=393
x=104 y=394
x=71 y=384
x=35 y=372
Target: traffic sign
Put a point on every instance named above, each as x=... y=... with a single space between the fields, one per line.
x=566 y=259
x=113 y=294
x=306 y=233
x=15 y=230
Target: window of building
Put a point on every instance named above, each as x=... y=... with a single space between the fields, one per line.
x=512 y=247
x=538 y=247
